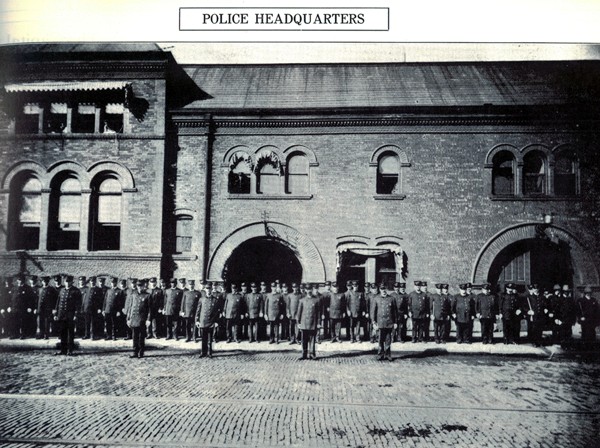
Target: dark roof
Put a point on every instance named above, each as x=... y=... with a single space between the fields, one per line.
x=80 y=47
x=307 y=86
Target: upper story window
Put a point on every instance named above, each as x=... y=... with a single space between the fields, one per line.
x=388 y=173
x=566 y=168
x=503 y=173
x=296 y=181
x=105 y=216
x=239 y=177
x=55 y=118
x=268 y=178
x=25 y=212
x=534 y=173
x=29 y=118
x=183 y=234
x=387 y=167
x=64 y=220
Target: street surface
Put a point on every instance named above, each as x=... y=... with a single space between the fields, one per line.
x=262 y=395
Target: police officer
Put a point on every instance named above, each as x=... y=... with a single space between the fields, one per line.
x=370 y=304
x=587 y=315
x=189 y=302
x=137 y=316
x=510 y=313
x=554 y=313
x=111 y=308
x=82 y=285
x=292 y=301
x=308 y=316
x=536 y=309
x=173 y=296
x=419 y=312
x=337 y=312
x=5 y=295
x=355 y=301
x=568 y=313
x=207 y=315
x=221 y=329
x=384 y=319
x=89 y=308
x=21 y=306
x=486 y=307
x=273 y=313
x=326 y=304
x=243 y=317
x=156 y=303
x=440 y=313
x=46 y=303
x=285 y=322
x=234 y=309
x=402 y=301
x=426 y=321
x=464 y=313
x=68 y=305
x=254 y=311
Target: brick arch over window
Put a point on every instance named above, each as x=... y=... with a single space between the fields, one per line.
x=489 y=158
x=70 y=166
x=309 y=153
x=227 y=158
x=122 y=173
x=402 y=157
x=313 y=268
x=25 y=165
x=585 y=271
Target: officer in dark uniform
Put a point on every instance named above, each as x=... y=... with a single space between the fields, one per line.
x=5 y=295
x=292 y=301
x=189 y=302
x=234 y=308
x=355 y=301
x=221 y=330
x=536 y=310
x=326 y=304
x=486 y=307
x=440 y=313
x=448 y=322
x=554 y=313
x=156 y=303
x=384 y=319
x=22 y=304
x=337 y=312
x=273 y=313
x=370 y=304
x=80 y=322
x=65 y=315
x=89 y=308
x=254 y=311
x=137 y=316
x=587 y=315
x=46 y=303
x=568 y=314
x=243 y=317
x=419 y=312
x=31 y=317
x=346 y=322
x=308 y=316
x=464 y=313
x=402 y=302
x=510 y=313
x=173 y=297
x=207 y=315
x=110 y=307
x=426 y=322
x=285 y=322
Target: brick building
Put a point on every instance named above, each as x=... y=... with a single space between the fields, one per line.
x=117 y=160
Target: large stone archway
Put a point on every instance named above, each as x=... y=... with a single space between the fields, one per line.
x=313 y=269
x=585 y=271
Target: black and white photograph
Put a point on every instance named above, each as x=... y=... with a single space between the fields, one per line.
x=253 y=243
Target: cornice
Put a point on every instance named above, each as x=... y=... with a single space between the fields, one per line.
x=90 y=70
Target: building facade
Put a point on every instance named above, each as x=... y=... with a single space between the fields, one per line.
x=120 y=161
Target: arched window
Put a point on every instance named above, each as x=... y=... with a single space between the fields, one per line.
x=503 y=174
x=388 y=174
x=105 y=216
x=64 y=218
x=565 y=174
x=267 y=181
x=25 y=213
x=183 y=234
x=296 y=181
x=534 y=173
x=239 y=177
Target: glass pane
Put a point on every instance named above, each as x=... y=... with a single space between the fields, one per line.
x=69 y=209
x=269 y=183
x=109 y=209
x=184 y=227
x=533 y=163
x=32 y=185
x=58 y=108
x=298 y=184
x=70 y=185
x=298 y=164
x=387 y=184
x=565 y=184
x=31 y=208
x=534 y=178
x=388 y=164
x=110 y=185
x=564 y=165
x=183 y=244
x=502 y=174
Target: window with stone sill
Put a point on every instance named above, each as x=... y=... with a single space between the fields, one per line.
x=25 y=212
x=183 y=234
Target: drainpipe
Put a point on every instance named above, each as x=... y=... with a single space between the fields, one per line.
x=210 y=138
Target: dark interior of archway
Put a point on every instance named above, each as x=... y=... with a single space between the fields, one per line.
x=532 y=261
x=262 y=259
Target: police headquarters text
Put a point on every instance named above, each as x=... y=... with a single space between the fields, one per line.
x=200 y=19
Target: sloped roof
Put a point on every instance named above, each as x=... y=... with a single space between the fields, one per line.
x=307 y=86
x=80 y=47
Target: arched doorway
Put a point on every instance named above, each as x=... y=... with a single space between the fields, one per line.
x=533 y=261
x=263 y=259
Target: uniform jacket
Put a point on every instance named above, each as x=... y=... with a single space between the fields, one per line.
x=234 y=305
x=464 y=308
x=384 y=311
x=208 y=310
x=46 y=302
x=189 y=302
x=588 y=308
x=292 y=301
x=23 y=297
x=309 y=313
x=254 y=304
x=5 y=295
x=419 y=305
x=113 y=302
x=68 y=303
x=274 y=305
x=487 y=306
x=402 y=301
x=156 y=301
x=370 y=303
x=325 y=303
x=337 y=305
x=173 y=298
x=356 y=303
x=567 y=309
x=509 y=304
x=536 y=303
x=137 y=314
x=93 y=299
x=441 y=306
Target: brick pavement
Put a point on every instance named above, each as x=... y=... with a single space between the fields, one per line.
x=267 y=397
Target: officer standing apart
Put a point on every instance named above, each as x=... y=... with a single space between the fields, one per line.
x=65 y=315
x=486 y=307
x=207 y=315
x=137 y=317
x=308 y=322
x=384 y=319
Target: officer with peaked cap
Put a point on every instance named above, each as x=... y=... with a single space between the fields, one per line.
x=440 y=313
x=308 y=317
x=234 y=309
x=419 y=312
x=189 y=302
x=568 y=314
x=273 y=313
x=111 y=306
x=172 y=297
x=326 y=303
x=5 y=296
x=46 y=302
x=254 y=311
x=68 y=305
x=292 y=300
x=244 y=324
x=588 y=315
x=156 y=303
x=355 y=301
x=463 y=312
x=510 y=313
x=137 y=316
x=384 y=319
x=536 y=309
x=285 y=322
x=402 y=302
x=337 y=312
x=207 y=315
x=486 y=307
x=370 y=304
x=21 y=305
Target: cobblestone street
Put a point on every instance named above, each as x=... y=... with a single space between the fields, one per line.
x=261 y=395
